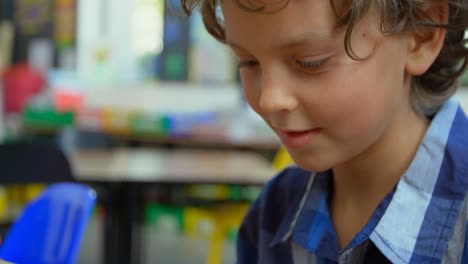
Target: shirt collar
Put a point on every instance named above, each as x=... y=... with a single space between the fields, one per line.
x=429 y=195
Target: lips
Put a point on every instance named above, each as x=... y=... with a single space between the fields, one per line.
x=297 y=139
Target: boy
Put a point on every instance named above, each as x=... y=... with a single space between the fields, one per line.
x=359 y=93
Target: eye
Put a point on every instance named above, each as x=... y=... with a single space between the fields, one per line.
x=247 y=64
x=311 y=64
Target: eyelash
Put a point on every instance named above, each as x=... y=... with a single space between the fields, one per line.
x=247 y=64
x=311 y=64
x=306 y=65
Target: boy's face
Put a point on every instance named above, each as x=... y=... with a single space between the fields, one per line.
x=326 y=107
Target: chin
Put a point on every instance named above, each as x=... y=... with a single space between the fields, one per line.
x=313 y=165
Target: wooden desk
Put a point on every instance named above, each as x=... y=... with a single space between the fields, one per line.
x=127 y=172
x=171 y=166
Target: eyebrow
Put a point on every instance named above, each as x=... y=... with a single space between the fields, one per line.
x=294 y=41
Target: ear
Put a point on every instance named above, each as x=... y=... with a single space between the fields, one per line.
x=425 y=44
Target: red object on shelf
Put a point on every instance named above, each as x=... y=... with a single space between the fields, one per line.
x=20 y=83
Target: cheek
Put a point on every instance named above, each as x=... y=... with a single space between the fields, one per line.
x=374 y=93
x=354 y=105
x=365 y=119
x=251 y=91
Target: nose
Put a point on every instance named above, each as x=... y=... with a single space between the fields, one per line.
x=277 y=94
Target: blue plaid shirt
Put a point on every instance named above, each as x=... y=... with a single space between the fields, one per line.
x=423 y=220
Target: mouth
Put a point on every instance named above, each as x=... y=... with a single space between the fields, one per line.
x=296 y=139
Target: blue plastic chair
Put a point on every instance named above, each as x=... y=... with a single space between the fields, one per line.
x=51 y=227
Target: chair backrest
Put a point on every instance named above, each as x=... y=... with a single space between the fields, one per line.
x=51 y=227
x=33 y=163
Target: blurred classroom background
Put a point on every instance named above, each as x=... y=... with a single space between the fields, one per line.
x=147 y=109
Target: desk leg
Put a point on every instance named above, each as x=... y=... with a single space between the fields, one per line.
x=109 y=239
x=130 y=240
x=122 y=230
x=111 y=224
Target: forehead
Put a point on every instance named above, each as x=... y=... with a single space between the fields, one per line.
x=298 y=17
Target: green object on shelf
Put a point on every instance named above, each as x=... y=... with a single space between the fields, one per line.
x=251 y=193
x=235 y=193
x=154 y=213
x=141 y=124
x=175 y=65
x=47 y=118
x=232 y=234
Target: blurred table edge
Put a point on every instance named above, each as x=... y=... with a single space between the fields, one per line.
x=145 y=165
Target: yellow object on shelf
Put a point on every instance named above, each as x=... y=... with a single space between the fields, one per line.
x=32 y=191
x=15 y=202
x=198 y=222
x=3 y=205
x=18 y=195
x=116 y=121
x=208 y=191
x=282 y=159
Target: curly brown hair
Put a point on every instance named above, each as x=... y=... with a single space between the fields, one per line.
x=430 y=90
